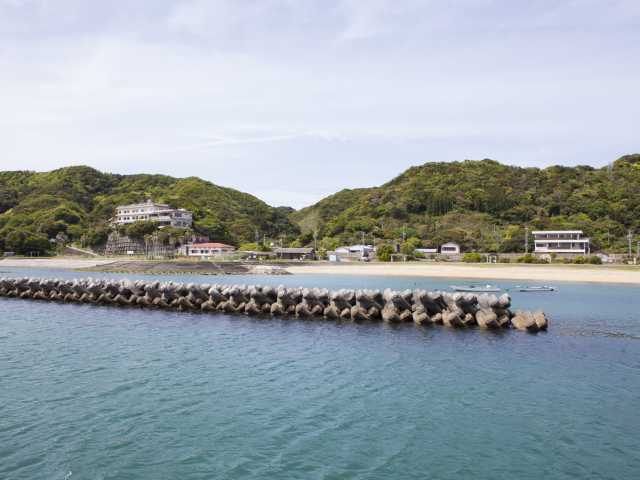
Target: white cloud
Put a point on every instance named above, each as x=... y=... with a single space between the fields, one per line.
x=291 y=100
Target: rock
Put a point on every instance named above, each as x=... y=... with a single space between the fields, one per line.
x=452 y=318
x=541 y=319
x=359 y=314
x=487 y=318
x=420 y=316
x=390 y=313
x=418 y=306
x=277 y=309
x=331 y=312
x=524 y=321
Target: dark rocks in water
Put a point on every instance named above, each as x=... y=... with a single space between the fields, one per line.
x=421 y=307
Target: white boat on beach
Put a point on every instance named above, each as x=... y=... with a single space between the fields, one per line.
x=476 y=288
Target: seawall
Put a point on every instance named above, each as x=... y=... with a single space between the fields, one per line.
x=419 y=306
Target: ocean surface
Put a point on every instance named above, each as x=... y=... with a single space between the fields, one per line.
x=92 y=392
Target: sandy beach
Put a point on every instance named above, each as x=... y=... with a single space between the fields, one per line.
x=545 y=273
x=155 y=267
x=541 y=273
x=56 y=262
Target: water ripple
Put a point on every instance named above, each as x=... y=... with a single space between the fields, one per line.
x=134 y=394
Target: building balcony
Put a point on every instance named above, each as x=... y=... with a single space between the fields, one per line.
x=560 y=250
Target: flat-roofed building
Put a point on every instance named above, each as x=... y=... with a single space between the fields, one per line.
x=292 y=253
x=566 y=242
x=208 y=249
x=450 y=248
x=150 y=211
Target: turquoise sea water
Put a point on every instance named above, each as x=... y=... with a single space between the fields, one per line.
x=105 y=393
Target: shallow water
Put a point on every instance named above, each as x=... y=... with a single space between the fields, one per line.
x=99 y=392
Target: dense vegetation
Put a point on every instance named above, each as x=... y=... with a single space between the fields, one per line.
x=77 y=202
x=484 y=205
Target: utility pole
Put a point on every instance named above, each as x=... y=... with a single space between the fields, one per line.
x=315 y=240
x=362 y=237
x=404 y=232
x=629 y=238
x=526 y=240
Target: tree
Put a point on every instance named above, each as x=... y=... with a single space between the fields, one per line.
x=25 y=243
x=384 y=252
x=96 y=236
x=409 y=247
x=138 y=230
x=36 y=243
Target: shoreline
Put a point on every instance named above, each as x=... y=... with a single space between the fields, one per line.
x=606 y=274
x=147 y=267
x=621 y=274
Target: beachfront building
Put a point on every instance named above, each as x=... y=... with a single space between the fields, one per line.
x=362 y=250
x=450 y=248
x=564 y=242
x=295 y=253
x=154 y=212
x=352 y=253
x=207 y=250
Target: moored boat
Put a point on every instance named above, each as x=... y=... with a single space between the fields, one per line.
x=476 y=288
x=535 y=288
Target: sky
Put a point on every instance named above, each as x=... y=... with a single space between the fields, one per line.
x=293 y=100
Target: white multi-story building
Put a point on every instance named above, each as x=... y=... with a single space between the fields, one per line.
x=561 y=241
x=154 y=212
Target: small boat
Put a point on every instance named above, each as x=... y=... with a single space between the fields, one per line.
x=535 y=288
x=476 y=288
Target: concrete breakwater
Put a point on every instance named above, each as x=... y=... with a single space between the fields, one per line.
x=419 y=306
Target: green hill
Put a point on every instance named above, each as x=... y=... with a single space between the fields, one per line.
x=35 y=207
x=484 y=205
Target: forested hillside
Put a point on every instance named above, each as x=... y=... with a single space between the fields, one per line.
x=78 y=201
x=484 y=205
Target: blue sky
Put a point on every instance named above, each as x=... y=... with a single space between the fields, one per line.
x=292 y=100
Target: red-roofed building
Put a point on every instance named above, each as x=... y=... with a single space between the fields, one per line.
x=209 y=249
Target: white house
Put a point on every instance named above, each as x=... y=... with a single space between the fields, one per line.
x=363 y=250
x=351 y=253
x=450 y=248
x=560 y=241
x=155 y=212
x=207 y=250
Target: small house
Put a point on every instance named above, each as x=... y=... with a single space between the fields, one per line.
x=351 y=253
x=295 y=253
x=450 y=248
